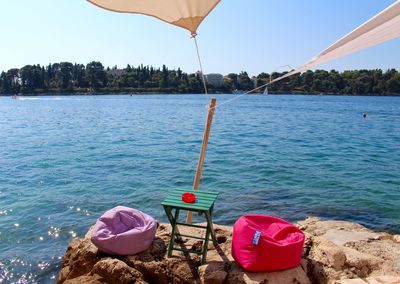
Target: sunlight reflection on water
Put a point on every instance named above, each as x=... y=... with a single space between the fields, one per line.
x=66 y=160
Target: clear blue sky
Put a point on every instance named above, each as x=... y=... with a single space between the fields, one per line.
x=254 y=35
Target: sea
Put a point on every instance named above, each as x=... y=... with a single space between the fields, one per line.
x=65 y=160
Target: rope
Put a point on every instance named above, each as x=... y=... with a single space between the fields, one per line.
x=236 y=97
x=239 y=96
x=380 y=28
x=201 y=66
x=262 y=86
x=206 y=93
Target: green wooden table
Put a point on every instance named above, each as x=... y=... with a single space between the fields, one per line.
x=204 y=205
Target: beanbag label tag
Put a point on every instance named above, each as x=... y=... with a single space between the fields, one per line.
x=256 y=237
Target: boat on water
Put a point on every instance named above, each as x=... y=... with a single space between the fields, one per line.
x=265 y=91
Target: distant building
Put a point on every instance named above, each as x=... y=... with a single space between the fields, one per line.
x=215 y=79
x=254 y=80
x=116 y=72
x=199 y=75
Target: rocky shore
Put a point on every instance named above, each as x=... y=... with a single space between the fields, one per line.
x=335 y=252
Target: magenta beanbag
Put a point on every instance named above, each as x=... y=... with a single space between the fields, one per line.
x=266 y=243
x=124 y=231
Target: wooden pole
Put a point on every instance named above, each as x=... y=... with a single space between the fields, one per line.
x=203 y=151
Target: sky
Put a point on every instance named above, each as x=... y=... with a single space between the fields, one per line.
x=254 y=36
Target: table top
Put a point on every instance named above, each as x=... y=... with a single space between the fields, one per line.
x=204 y=199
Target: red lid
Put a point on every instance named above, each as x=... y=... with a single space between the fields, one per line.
x=188 y=197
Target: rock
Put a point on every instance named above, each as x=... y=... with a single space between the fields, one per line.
x=181 y=271
x=316 y=227
x=371 y=280
x=341 y=237
x=156 y=251
x=386 y=251
x=304 y=265
x=350 y=281
x=117 y=271
x=153 y=271
x=79 y=259
x=86 y=279
x=334 y=252
x=337 y=250
x=363 y=263
x=329 y=254
x=384 y=279
x=213 y=273
x=295 y=276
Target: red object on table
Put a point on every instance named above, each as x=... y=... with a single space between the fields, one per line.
x=188 y=197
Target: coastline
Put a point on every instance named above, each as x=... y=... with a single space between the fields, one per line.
x=54 y=94
x=334 y=252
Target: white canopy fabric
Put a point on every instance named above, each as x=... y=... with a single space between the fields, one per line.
x=187 y=14
x=382 y=27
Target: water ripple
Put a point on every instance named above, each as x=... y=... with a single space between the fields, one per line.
x=64 y=161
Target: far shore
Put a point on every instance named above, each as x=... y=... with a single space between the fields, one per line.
x=53 y=94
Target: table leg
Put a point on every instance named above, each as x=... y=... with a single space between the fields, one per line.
x=173 y=221
x=210 y=224
x=168 y=211
x=205 y=247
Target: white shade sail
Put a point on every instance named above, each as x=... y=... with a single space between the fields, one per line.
x=187 y=14
x=382 y=27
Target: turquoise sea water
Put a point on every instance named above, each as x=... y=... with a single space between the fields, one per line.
x=66 y=160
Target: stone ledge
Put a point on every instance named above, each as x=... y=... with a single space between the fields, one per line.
x=334 y=252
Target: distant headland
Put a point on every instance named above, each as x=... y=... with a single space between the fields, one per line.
x=94 y=78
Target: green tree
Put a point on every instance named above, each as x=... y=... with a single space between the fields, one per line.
x=244 y=81
x=95 y=75
x=11 y=82
x=2 y=82
x=393 y=84
x=78 y=76
x=27 y=84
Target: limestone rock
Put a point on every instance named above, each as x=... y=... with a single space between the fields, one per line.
x=79 y=259
x=350 y=281
x=153 y=271
x=362 y=263
x=334 y=252
x=329 y=254
x=316 y=227
x=384 y=279
x=370 y=280
x=182 y=271
x=156 y=251
x=86 y=279
x=344 y=250
x=342 y=237
x=295 y=275
x=213 y=272
x=116 y=271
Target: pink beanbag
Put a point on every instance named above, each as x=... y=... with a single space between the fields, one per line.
x=124 y=231
x=266 y=243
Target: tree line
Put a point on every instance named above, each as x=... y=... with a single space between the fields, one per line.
x=66 y=77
